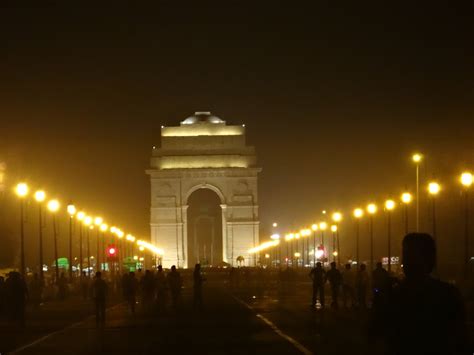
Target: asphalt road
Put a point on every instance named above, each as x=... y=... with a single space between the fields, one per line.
x=245 y=320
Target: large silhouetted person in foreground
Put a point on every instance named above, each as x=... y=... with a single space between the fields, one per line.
x=425 y=315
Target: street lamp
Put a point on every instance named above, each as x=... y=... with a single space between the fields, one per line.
x=53 y=207
x=40 y=196
x=358 y=214
x=434 y=189
x=322 y=227
x=371 y=210
x=406 y=199
x=97 y=222
x=103 y=228
x=417 y=158
x=389 y=206
x=334 y=230
x=466 y=180
x=21 y=191
x=87 y=222
x=80 y=216
x=315 y=228
x=71 y=210
x=337 y=218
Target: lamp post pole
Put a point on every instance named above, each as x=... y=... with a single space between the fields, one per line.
x=40 y=216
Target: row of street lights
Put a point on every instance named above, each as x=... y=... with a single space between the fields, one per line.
x=22 y=190
x=466 y=179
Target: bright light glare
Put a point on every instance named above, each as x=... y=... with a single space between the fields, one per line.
x=434 y=188
x=275 y=236
x=323 y=226
x=334 y=228
x=53 y=205
x=406 y=197
x=21 y=189
x=358 y=213
x=337 y=216
x=81 y=215
x=319 y=253
x=275 y=224
x=40 y=195
x=87 y=220
x=104 y=227
x=389 y=205
x=372 y=208
x=98 y=221
x=315 y=227
x=297 y=255
x=417 y=157
x=71 y=209
x=130 y=238
x=466 y=179
x=263 y=246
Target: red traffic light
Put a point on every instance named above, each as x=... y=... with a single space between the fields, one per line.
x=111 y=251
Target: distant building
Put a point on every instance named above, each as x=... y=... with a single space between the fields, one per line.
x=190 y=223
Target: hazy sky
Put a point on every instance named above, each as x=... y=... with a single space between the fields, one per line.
x=334 y=97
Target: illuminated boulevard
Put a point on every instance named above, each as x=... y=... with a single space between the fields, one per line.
x=250 y=319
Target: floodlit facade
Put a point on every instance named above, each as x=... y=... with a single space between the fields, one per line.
x=204 y=153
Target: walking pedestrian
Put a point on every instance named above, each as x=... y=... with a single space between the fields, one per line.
x=348 y=286
x=161 y=289
x=175 y=283
x=335 y=280
x=131 y=289
x=36 y=291
x=100 y=290
x=197 y=287
x=85 y=285
x=318 y=275
x=362 y=283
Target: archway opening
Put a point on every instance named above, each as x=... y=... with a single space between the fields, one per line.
x=204 y=228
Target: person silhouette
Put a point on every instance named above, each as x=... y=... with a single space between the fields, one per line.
x=318 y=275
x=426 y=315
x=197 y=286
x=335 y=280
x=175 y=283
x=99 y=288
x=362 y=283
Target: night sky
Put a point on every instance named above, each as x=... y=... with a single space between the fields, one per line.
x=335 y=97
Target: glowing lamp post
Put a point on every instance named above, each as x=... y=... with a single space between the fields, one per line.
x=53 y=207
x=21 y=191
x=406 y=198
x=334 y=231
x=97 y=222
x=322 y=227
x=358 y=214
x=389 y=206
x=433 y=189
x=337 y=218
x=103 y=228
x=314 y=228
x=371 y=210
x=80 y=216
x=40 y=196
x=71 y=210
x=466 y=180
x=88 y=223
x=417 y=158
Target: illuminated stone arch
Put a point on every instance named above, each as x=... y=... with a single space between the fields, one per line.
x=204 y=152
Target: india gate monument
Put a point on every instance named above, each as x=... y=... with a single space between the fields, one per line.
x=204 y=202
